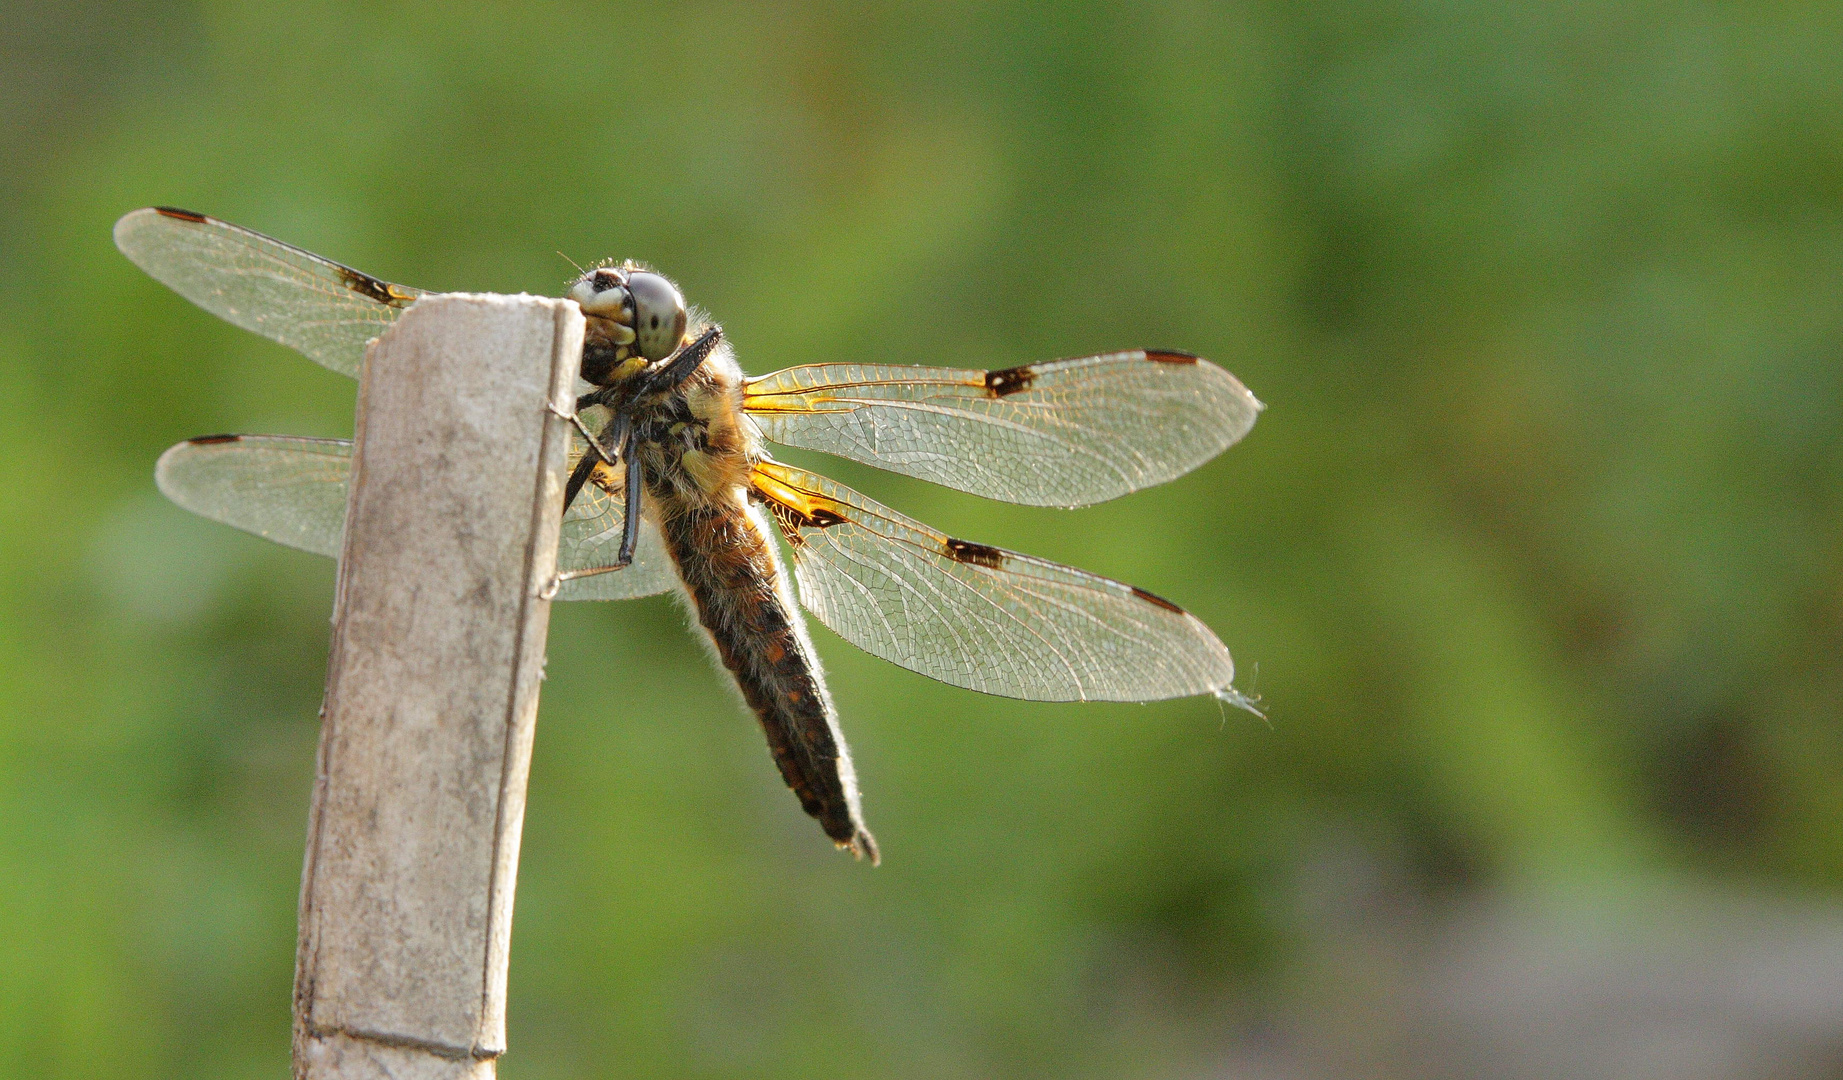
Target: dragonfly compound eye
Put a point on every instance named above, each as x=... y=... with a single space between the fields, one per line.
x=659 y=314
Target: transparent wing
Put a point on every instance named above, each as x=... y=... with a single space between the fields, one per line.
x=315 y=306
x=1067 y=433
x=293 y=491
x=285 y=489
x=978 y=616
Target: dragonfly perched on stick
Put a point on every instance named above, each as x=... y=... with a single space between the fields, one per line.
x=671 y=486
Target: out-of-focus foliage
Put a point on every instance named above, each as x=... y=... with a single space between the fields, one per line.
x=1538 y=547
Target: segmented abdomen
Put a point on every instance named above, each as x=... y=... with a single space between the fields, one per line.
x=729 y=567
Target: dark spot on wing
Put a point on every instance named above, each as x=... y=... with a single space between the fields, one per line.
x=213 y=440
x=1153 y=598
x=366 y=285
x=792 y=520
x=1167 y=356
x=976 y=554
x=1009 y=380
x=183 y=215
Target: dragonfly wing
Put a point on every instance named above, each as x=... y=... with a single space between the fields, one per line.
x=293 y=491
x=1067 y=433
x=981 y=617
x=285 y=489
x=315 y=306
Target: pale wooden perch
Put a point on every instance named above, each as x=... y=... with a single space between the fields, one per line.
x=432 y=689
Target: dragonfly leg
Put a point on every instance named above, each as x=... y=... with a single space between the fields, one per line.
x=550 y=590
x=619 y=439
x=578 y=477
x=682 y=364
x=576 y=418
x=621 y=428
x=630 y=532
x=630 y=528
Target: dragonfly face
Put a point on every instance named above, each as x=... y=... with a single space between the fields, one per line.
x=678 y=490
x=631 y=311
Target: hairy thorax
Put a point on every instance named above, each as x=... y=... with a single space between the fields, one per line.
x=696 y=446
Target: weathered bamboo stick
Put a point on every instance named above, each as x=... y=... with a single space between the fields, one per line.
x=432 y=690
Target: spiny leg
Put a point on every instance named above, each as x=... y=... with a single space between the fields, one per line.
x=630 y=529
x=632 y=506
x=682 y=364
x=575 y=418
x=691 y=357
x=619 y=435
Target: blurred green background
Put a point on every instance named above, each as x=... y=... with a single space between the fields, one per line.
x=1536 y=556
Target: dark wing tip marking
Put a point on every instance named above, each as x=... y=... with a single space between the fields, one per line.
x=1009 y=380
x=1171 y=356
x=183 y=215
x=213 y=440
x=1154 y=598
x=976 y=554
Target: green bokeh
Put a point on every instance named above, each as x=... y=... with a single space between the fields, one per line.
x=1538 y=547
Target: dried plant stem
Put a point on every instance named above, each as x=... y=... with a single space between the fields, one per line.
x=432 y=690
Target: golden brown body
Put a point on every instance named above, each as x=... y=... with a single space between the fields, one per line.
x=698 y=454
x=733 y=578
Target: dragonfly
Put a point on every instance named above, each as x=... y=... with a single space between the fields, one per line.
x=672 y=489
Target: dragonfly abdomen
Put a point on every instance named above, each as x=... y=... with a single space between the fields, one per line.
x=733 y=577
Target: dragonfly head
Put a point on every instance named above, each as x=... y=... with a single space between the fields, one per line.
x=646 y=310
